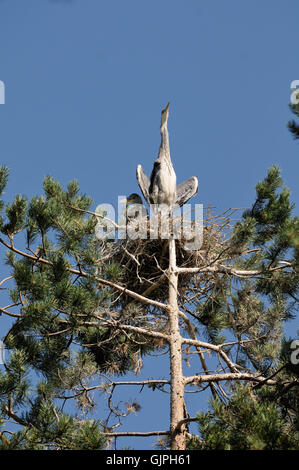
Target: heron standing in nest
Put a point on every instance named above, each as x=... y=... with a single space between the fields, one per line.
x=162 y=188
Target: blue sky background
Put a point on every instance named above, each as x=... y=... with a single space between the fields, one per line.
x=86 y=81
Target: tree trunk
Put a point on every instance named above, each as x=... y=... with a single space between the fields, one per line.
x=176 y=373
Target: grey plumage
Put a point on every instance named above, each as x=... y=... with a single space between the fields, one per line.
x=134 y=207
x=186 y=190
x=144 y=183
x=161 y=188
x=134 y=198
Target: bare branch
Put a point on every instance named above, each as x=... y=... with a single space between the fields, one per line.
x=139 y=382
x=125 y=434
x=98 y=215
x=6 y=279
x=197 y=379
x=230 y=270
x=15 y=315
x=115 y=324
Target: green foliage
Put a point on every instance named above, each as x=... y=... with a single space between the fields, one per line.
x=271 y=213
x=212 y=314
x=246 y=422
x=63 y=308
x=113 y=272
x=56 y=289
x=292 y=125
x=116 y=352
x=16 y=213
x=43 y=424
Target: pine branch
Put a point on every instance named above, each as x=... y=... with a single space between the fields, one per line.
x=213 y=347
x=139 y=382
x=6 y=279
x=199 y=351
x=81 y=273
x=8 y=410
x=184 y=421
x=120 y=326
x=136 y=434
x=221 y=269
x=197 y=379
x=294 y=128
x=10 y=314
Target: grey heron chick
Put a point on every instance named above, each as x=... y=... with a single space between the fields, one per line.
x=134 y=198
x=162 y=188
x=134 y=207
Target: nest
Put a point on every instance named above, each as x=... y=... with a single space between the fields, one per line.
x=144 y=262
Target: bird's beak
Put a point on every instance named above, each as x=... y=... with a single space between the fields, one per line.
x=167 y=111
x=165 y=114
x=126 y=200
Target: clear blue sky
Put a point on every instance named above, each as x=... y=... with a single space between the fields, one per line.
x=86 y=81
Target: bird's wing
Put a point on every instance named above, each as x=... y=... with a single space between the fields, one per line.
x=144 y=183
x=186 y=190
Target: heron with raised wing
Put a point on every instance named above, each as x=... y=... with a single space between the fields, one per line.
x=161 y=188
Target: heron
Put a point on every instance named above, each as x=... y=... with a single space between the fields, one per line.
x=161 y=188
x=133 y=206
x=136 y=214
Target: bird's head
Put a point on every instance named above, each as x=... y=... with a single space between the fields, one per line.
x=133 y=199
x=164 y=115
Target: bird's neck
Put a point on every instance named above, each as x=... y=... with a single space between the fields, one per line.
x=164 y=146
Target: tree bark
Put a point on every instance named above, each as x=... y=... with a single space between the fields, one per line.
x=177 y=434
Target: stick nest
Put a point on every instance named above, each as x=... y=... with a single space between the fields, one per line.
x=144 y=262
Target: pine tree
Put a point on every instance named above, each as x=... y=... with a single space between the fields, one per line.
x=85 y=312
x=294 y=107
